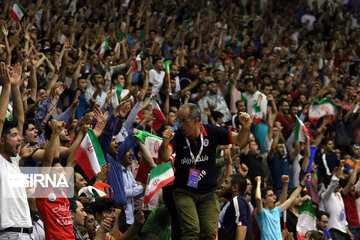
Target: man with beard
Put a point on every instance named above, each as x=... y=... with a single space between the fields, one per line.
x=279 y=163
x=156 y=75
x=285 y=118
x=236 y=221
x=214 y=101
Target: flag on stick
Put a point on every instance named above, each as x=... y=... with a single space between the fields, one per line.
x=151 y=141
x=17 y=12
x=300 y=129
x=306 y=220
x=321 y=108
x=160 y=176
x=90 y=156
x=116 y=95
x=159 y=116
x=103 y=47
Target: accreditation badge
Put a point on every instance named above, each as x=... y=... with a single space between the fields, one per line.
x=193 y=178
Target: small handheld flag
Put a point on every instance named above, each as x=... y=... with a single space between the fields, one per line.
x=167 y=71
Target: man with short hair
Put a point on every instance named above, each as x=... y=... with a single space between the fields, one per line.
x=266 y=214
x=195 y=163
x=332 y=202
x=156 y=75
x=236 y=222
x=214 y=101
x=107 y=217
x=322 y=220
x=132 y=189
x=95 y=93
x=254 y=96
x=78 y=215
x=15 y=219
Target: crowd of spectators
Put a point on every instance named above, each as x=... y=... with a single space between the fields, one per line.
x=269 y=59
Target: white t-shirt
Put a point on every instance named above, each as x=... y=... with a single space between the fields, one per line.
x=14 y=208
x=156 y=79
x=311 y=20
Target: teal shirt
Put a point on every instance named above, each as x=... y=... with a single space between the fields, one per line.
x=269 y=223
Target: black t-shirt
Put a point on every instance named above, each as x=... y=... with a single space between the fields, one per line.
x=255 y=166
x=237 y=214
x=213 y=136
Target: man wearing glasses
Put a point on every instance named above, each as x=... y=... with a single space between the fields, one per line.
x=195 y=176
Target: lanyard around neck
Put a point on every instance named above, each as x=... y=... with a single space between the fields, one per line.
x=200 y=150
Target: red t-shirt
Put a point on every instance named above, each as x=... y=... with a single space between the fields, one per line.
x=352 y=216
x=55 y=214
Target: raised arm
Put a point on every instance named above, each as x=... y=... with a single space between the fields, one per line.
x=18 y=110
x=165 y=150
x=259 y=205
x=294 y=195
x=352 y=179
x=148 y=160
x=5 y=93
x=284 y=190
x=241 y=138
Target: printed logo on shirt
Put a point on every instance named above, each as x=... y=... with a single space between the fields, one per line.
x=190 y=161
x=206 y=142
x=52 y=197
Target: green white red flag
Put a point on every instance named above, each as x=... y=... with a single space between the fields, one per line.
x=103 y=47
x=300 y=128
x=257 y=115
x=17 y=12
x=159 y=116
x=116 y=95
x=9 y=113
x=321 y=108
x=90 y=156
x=151 y=141
x=160 y=176
x=306 y=220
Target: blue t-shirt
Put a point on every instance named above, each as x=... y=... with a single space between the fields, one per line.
x=237 y=214
x=269 y=223
x=213 y=136
x=280 y=166
x=83 y=104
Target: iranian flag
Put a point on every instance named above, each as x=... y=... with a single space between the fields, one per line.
x=300 y=128
x=159 y=116
x=90 y=156
x=160 y=176
x=116 y=95
x=121 y=35
x=321 y=108
x=9 y=113
x=17 y=12
x=103 y=47
x=256 y=113
x=306 y=220
x=151 y=141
